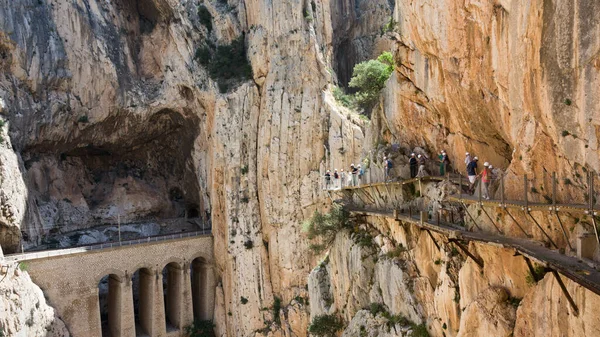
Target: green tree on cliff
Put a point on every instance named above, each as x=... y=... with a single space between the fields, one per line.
x=369 y=78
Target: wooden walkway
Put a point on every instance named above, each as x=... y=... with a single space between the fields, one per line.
x=454 y=180
x=571 y=267
x=469 y=199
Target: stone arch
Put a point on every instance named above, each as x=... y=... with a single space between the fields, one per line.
x=173 y=284
x=143 y=284
x=119 y=274
x=110 y=302
x=176 y=260
x=200 y=256
x=200 y=273
x=141 y=265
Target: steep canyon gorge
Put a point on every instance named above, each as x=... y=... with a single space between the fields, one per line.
x=144 y=113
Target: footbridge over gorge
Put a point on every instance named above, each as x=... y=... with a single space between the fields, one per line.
x=155 y=286
x=525 y=229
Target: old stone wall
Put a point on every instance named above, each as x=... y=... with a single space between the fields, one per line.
x=71 y=282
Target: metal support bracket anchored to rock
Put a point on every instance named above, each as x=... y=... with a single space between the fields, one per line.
x=531 y=270
x=516 y=222
x=540 y=227
x=566 y=292
x=433 y=239
x=470 y=216
x=489 y=217
x=476 y=259
x=555 y=209
x=591 y=211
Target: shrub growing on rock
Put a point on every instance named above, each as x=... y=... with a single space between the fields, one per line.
x=322 y=227
x=226 y=64
x=325 y=325
x=200 y=329
x=369 y=78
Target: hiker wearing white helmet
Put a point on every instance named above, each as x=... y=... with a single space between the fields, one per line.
x=472 y=174
x=467 y=159
x=354 y=171
x=421 y=160
x=342 y=178
x=486 y=176
x=412 y=162
x=444 y=162
x=327 y=179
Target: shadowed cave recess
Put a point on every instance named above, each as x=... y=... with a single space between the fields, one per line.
x=141 y=176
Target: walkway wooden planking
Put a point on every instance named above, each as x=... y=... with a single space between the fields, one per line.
x=404 y=182
x=576 y=270
x=469 y=199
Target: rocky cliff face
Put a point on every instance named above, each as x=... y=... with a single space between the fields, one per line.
x=23 y=310
x=386 y=278
x=111 y=114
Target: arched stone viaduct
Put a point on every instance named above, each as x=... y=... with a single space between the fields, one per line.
x=171 y=281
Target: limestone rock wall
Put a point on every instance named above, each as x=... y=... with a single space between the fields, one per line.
x=514 y=82
x=24 y=311
x=383 y=263
x=115 y=119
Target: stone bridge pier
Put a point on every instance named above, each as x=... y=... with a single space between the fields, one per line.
x=150 y=289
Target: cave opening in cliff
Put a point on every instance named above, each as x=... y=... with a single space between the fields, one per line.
x=124 y=170
x=172 y=286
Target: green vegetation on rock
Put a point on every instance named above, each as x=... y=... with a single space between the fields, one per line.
x=325 y=326
x=205 y=17
x=200 y=329
x=322 y=227
x=368 y=78
x=227 y=64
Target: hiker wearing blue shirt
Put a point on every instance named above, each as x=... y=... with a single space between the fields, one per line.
x=472 y=174
x=388 y=167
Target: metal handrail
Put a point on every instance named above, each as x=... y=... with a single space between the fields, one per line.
x=100 y=246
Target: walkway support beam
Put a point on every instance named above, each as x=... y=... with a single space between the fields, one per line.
x=531 y=269
x=566 y=292
x=516 y=222
x=433 y=239
x=476 y=259
x=489 y=217
x=540 y=227
x=469 y=214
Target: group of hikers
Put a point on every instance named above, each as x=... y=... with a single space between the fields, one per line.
x=417 y=164
x=355 y=174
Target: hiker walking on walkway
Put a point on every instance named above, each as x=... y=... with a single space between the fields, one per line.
x=444 y=161
x=486 y=178
x=421 y=160
x=472 y=174
x=354 y=172
x=342 y=178
x=467 y=159
x=414 y=165
x=327 y=180
x=387 y=163
x=336 y=177
x=361 y=174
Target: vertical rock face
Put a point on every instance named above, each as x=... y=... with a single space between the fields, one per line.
x=512 y=81
x=111 y=116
